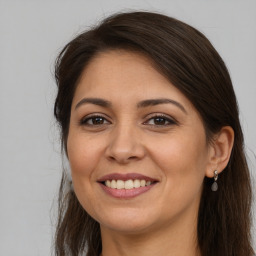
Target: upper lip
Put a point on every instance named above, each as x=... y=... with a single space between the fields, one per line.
x=124 y=177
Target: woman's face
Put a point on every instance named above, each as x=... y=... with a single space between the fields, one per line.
x=136 y=146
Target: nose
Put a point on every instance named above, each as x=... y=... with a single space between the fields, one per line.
x=125 y=145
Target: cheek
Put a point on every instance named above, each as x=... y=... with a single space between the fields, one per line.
x=83 y=154
x=183 y=160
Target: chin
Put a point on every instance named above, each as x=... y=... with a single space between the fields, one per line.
x=128 y=222
x=127 y=228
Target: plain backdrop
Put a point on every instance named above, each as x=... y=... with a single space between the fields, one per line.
x=31 y=35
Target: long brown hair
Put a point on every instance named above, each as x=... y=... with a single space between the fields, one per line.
x=185 y=57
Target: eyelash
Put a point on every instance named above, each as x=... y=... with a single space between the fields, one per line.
x=170 y=121
x=165 y=118
x=85 y=120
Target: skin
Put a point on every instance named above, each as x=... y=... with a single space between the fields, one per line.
x=173 y=150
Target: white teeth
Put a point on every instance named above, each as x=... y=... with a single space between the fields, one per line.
x=119 y=184
x=128 y=184
x=113 y=184
x=136 y=183
x=108 y=183
x=148 y=183
x=142 y=183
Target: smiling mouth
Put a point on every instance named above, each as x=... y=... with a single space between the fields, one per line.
x=128 y=184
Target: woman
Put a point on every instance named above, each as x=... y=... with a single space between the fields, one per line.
x=150 y=126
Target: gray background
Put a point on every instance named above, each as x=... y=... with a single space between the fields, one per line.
x=31 y=34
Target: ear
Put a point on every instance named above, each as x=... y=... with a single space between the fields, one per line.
x=220 y=150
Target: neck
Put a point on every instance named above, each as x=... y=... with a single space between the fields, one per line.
x=177 y=239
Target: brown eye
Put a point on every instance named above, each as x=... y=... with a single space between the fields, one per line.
x=160 y=121
x=97 y=120
x=94 y=120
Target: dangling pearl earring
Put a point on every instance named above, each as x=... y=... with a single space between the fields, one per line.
x=215 y=185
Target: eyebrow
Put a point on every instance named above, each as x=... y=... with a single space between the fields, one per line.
x=141 y=104
x=153 y=102
x=95 y=101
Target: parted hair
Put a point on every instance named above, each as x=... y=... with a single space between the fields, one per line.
x=189 y=61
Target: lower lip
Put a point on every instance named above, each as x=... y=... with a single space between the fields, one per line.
x=126 y=193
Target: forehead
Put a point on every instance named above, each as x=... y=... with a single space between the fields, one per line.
x=118 y=66
x=123 y=75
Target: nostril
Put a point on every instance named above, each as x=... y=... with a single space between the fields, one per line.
x=132 y=157
x=111 y=158
x=122 y=158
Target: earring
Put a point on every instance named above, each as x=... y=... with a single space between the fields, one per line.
x=71 y=185
x=215 y=185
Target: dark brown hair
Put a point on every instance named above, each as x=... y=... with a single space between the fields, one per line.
x=185 y=57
